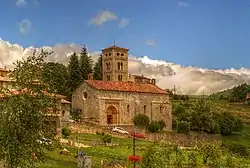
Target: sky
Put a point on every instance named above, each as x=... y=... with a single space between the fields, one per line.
x=208 y=34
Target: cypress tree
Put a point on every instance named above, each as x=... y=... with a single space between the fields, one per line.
x=86 y=64
x=74 y=73
x=98 y=69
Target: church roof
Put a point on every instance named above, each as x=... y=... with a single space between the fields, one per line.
x=115 y=47
x=125 y=86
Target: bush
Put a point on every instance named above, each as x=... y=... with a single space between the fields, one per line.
x=66 y=132
x=141 y=120
x=161 y=124
x=106 y=138
x=229 y=123
x=153 y=127
x=237 y=149
x=183 y=127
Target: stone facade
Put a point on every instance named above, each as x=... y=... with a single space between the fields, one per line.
x=115 y=64
x=98 y=105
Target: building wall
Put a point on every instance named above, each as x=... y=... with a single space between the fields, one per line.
x=65 y=109
x=96 y=104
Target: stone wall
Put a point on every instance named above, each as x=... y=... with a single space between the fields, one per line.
x=128 y=104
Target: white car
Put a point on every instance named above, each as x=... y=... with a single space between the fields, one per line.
x=119 y=130
x=45 y=141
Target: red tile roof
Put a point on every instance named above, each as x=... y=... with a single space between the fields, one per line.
x=125 y=86
x=4 y=70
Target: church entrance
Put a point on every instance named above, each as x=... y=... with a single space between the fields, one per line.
x=112 y=115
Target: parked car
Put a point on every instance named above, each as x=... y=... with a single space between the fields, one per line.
x=138 y=135
x=120 y=130
x=45 y=141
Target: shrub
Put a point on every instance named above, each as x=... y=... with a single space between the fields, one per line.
x=66 y=132
x=183 y=127
x=141 y=120
x=154 y=126
x=106 y=138
x=237 y=149
x=161 y=124
x=229 y=123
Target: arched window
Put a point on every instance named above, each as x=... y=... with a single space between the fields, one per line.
x=122 y=54
x=119 y=77
x=63 y=113
x=127 y=108
x=161 y=109
x=144 y=108
x=121 y=68
x=119 y=65
x=118 y=54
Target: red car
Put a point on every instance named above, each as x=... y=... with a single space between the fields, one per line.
x=138 y=135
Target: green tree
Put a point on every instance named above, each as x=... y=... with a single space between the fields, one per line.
x=23 y=114
x=86 y=64
x=98 y=69
x=74 y=73
x=141 y=121
x=57 y=76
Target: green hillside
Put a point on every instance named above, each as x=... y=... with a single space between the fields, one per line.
x=235 y=94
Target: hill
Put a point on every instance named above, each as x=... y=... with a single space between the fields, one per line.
x=235 y=94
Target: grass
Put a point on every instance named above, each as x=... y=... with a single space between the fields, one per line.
x=121 y=152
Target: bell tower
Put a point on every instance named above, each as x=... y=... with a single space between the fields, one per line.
x=115 y=64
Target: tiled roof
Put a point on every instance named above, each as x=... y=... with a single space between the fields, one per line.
x=125 y=86
x=17 y=92
x=140 y=77
x=115 y=47
x=4 y=70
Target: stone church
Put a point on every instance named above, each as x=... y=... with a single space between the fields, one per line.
x=120 y=96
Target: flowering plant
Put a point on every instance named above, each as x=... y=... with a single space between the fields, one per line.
x=138 y=135
x=134 y=158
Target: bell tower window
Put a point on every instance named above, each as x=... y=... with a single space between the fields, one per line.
x=119 y=77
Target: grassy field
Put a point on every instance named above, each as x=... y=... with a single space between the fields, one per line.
x=121 y=152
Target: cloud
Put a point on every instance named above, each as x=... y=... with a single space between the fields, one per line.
x=24 y=26
x=102 y=17
x=188 y=80
x=124 y=22
x=182 y=4
x=21 y=2
x=150 y=42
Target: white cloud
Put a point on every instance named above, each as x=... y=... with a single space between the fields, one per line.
x=150 y=42
x=21 y=2
x=182 y=4
x=124 y=22
x=102 y=17
x=188 y=80
x=24 y=26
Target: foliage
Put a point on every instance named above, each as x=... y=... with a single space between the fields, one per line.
x=57 y=76
x=154 y=126
x=237 y=149
x=98 y=69
x=66 y=132
x=162 y=125
x=236 y=94
x=141 y=121
x=183 y=127
x=206 y=155
x=75 y=114
x=229 y=123
x=23 y=115
x=106 y=138
x=74 y=73
x=86 y=64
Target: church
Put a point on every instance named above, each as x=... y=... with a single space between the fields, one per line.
x=119 y=96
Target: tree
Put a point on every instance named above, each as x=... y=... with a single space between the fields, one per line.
x=86 y=64
x=141 y=121
x=98 y=69
x=57 y=76
x=74 y=73
x=23 y=114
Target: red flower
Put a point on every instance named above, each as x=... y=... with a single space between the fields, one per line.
x=134 y=158
x=138 y=135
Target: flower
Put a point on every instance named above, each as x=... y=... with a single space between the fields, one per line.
x=134 y=158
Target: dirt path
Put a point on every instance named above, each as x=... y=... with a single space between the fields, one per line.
x=76 y=144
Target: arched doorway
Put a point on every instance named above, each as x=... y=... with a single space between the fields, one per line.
x=112 y=115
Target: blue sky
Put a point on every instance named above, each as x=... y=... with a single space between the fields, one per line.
x=209 y=34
